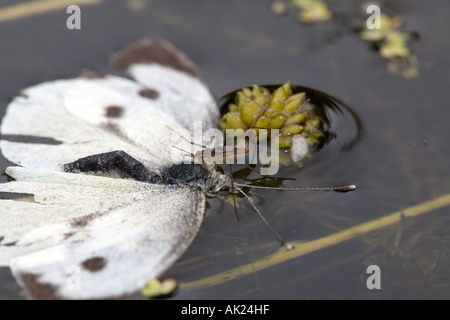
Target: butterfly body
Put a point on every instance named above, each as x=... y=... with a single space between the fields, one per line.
x=205 y=178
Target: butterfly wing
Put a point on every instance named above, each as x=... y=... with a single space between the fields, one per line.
x=115 y=233
x=150 y=62
x=69 y=119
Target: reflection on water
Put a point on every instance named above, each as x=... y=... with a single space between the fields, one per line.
x=415 y=255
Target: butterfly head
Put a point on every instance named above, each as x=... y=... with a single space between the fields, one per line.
x=217 y=182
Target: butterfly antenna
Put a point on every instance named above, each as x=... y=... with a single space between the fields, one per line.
x=252 y=169
x=235 y=209
x=347 y=188
x=187 y=152
x=232 y=192
x=279 y=237
x=186 y=139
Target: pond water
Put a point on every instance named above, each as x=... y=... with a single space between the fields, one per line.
x=401 y=159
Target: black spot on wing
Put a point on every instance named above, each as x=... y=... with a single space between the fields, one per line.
x=16 y=195
x=6 y=244
x=22 y=138
x=37 y=290
x=91 y=74
x=68 y=235
x=153 y=51
x=149 y=93
x=94 y=264
x=78 y=223
x=113 y=163
x=114 y=112
x=113 y=128
x=9 y=244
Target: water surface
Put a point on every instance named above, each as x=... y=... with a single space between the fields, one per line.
x=401 y=160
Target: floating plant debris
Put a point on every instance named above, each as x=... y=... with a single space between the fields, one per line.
x=389 y=39
x=310 y=11
x=156 y=289
x=279 y=7
x=391 y=43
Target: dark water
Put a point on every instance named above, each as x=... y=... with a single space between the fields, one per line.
x=401 y=159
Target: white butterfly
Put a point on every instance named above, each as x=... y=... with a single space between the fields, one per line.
x=112 y=204
x=117 y=233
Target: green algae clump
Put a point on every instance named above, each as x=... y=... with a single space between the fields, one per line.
x=290 y=112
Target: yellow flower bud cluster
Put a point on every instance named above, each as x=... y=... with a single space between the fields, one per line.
x=290 y=112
